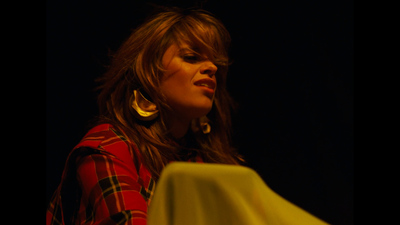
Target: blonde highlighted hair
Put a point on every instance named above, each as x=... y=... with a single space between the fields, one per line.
x=138 y=64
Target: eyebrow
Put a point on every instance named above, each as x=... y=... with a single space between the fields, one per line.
x=187 y=49
x=192 y=50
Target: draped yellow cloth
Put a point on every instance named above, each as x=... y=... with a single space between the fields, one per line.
x=215 y=194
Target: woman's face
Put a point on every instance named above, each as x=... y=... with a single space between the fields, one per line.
x=189 y=82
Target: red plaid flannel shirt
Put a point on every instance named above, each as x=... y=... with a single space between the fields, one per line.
x=103 y=182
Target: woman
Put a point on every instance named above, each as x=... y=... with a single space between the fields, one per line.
x=162 y=99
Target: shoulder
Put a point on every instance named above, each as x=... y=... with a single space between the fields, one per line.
x=110 y=142
x=106 y=138
x=114 y=145
x=101 y=135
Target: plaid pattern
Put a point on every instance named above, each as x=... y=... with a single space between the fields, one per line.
x=104 y=182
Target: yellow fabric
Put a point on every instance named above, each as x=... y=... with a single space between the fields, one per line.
x=214 y=194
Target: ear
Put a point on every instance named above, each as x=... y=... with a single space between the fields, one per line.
x=143 y=108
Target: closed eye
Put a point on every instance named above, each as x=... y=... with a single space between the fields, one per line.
x=192 y=58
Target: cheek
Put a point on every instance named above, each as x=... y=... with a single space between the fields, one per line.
x=178 y=78
x=176 y=85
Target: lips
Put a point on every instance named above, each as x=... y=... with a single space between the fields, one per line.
x=208 y=83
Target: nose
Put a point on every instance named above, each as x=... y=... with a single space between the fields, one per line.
x=208 y=68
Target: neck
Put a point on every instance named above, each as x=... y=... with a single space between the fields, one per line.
x=179 y=127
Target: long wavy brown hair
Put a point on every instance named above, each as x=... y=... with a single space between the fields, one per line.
x=137 y=64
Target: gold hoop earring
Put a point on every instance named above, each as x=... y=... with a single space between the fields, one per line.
x=143 y=108
x=202 y=124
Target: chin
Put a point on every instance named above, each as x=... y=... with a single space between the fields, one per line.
x=193 y=109
x=200 y=110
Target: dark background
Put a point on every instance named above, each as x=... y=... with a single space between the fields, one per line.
x=292 y=77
